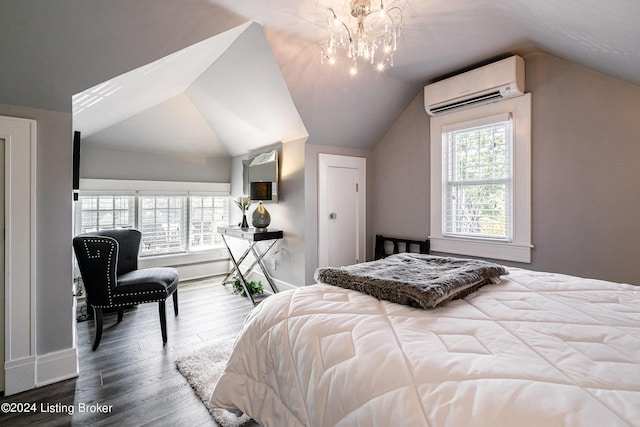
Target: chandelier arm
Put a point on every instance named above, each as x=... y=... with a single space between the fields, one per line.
x=347 y=30
x=399 y=12
x=335 y=18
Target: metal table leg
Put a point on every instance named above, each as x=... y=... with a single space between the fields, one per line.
x=236 y=266
x=258 y=260
x=270 y=237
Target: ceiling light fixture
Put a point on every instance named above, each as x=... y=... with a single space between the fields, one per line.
x=373 y=39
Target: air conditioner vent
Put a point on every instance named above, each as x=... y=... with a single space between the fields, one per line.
x=502 y=79
x=467 y=102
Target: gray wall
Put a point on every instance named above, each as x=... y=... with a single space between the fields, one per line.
x=586 y=174
x=287 y=215
x=586 y=157
x=96 y=162
x=54 y=314
x=401 y=179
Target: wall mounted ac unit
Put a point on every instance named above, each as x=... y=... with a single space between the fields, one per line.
x=490 y=83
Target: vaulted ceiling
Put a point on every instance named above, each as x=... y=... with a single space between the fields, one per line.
x=59 y=49
x=222 y=96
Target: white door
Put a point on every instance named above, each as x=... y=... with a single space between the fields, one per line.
x=341 y=210
x=2 y=145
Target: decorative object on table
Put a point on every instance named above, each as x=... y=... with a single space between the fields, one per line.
x=252 y=287
x=243 y=203
x=371 y=38
x=261 y=218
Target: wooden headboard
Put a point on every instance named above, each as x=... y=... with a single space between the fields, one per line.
x=396 y=245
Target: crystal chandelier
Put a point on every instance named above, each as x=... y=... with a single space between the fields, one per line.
x=373 y=40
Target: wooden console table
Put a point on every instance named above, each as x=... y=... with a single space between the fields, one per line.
x=251 y=236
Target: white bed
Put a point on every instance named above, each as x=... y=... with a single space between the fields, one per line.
x=538 y=349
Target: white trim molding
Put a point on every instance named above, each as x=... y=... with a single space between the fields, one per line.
x=34 y=371
x=20 y=253
x=56 y=366
x=481 y=248
x=280 y=285
x=90 y=184
x=19 y=374
x=519 y=248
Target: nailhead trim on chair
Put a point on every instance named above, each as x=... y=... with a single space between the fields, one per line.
x=128 y=303
x=144 y=292
x=109 y=260
x=141 y=302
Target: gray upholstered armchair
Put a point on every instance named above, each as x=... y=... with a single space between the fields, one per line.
x=108 y=262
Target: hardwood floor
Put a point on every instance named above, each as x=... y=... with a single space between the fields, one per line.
x=132 y=375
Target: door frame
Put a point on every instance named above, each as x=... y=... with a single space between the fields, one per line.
x=325 y=161
x=20 y=254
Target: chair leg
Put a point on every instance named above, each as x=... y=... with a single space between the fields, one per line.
x=163 y=320
x=175 y=302
x=120 y=314
x=97 y=315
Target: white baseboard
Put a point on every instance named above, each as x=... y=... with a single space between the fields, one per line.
x=30 y=372
x=19 y=375
x=281 y=285
x=197 y=271
x=57 y=366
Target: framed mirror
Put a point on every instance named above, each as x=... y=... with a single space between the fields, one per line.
x=261 y=168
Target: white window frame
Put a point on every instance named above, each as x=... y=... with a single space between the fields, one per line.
x=451 y=166
x=171 y=237
x=139 y=188
x=98 y=195
x=519 y=248
x=217 y=241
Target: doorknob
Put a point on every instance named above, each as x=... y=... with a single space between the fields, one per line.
x=333 y=215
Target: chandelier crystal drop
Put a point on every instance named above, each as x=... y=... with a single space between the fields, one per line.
x=371 y=38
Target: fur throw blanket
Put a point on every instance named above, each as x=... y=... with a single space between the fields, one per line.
x=417 y=280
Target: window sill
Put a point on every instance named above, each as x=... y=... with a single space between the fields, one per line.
x=187 y=258
x=482 y=248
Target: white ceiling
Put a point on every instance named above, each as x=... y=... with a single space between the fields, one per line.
x=73 y=45
x=221 y=97
x=124 y=96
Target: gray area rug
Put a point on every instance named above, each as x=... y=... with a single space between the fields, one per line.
x=202 y=369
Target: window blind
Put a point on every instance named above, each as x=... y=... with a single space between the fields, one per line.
x=163 y=223
x=477 y=174
x=206 y=214
x=102 y=211
x=171 y=223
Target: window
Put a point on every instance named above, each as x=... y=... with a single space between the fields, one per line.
x=207 y=213
x=163 y=223
x=478 y=179
x=481 y=181
x=171 y=223
x=97 y=212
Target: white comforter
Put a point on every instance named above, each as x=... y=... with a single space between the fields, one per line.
x=538 y=349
